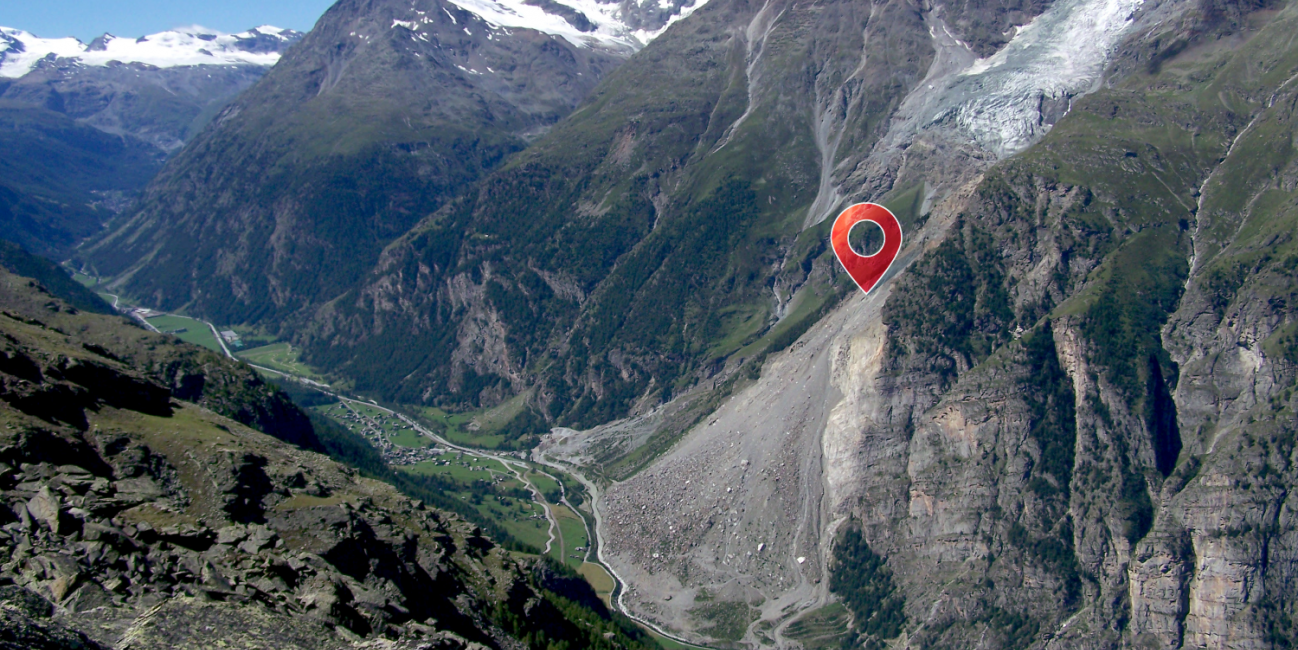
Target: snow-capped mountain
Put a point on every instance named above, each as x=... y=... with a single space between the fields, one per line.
x=86 y=125
x=619 y=26
x=21 y=51
x=117 y=85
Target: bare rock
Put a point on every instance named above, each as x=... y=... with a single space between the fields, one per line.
x=186 y=622
x=232 y=534
x=44 y=508
x=259 y=539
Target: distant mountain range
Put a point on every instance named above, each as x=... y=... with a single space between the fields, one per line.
x=22 y=52
x=156 y=92
x=89 y=124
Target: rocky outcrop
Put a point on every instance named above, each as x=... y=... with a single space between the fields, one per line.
x=136 y=551
x=128 y=368
x=131 y=517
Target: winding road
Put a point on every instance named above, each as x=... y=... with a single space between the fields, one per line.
x=512 y=464
x=619 y=584
x=516 y=466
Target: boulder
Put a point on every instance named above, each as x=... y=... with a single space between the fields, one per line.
x=44 y=508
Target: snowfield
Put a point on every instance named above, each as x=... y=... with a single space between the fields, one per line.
x=21 y=51
x=619 y=26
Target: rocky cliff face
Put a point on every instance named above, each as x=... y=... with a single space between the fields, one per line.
x=1067 y=423
x=1066 y=420
x=664 y=233
x=139 y=513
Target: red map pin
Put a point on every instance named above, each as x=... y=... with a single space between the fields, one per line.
x=866 y=269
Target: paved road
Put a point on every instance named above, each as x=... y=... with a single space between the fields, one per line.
x=145 y=322
x=220 y=341
x=509 y=464
x=619 y=584
x=512 y=464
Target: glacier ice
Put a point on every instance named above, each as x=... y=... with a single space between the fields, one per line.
x=997 y=101
x=21 y=51
x=618 y=26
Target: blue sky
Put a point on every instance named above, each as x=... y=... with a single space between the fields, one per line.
x=86 y=19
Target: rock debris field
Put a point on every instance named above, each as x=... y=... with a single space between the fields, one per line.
x=734 y=513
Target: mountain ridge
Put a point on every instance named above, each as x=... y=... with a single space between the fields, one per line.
x=1029 y=434
x=434 y=110
x=1065 y=420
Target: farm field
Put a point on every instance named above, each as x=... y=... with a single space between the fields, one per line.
x=279 y=356
x=599 y=580
x=455 y=427
x=488 y=428
x=573 y=530
x=545 y=484
x=491 y=488
x=410 y=438
x=461 y=467
x=486 y=485
x=195 y=331
x=85 y=280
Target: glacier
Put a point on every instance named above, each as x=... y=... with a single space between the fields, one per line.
x=21 y=51
x=618 y=26
x=997 y=101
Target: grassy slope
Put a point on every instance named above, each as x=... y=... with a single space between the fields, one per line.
x=306 y=177
x=187 y=437
x=279 y=356
x=18 y=261
x=195 y=331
